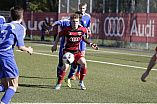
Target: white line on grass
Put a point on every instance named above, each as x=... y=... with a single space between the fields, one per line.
x=119 y=53
x=109 y=63
x=102 y=51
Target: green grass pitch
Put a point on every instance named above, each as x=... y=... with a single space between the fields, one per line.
x=113 y=76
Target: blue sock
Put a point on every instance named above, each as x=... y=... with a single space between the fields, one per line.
x=58 y=70
x=8 y=95
x=80 y=81
x=72 y=71
x=2 y=88
x=79 y=68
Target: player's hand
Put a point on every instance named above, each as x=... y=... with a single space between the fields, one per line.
x=144 y=76
x=94 y=46
x=30 y=50
x=54 y=48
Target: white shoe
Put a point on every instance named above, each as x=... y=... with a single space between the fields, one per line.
x=58 y=86
x=82 y=86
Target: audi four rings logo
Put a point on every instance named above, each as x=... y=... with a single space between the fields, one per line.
x=114 y=26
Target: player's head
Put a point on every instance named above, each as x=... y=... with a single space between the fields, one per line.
x=80 y=14
x=16 y=13
x=75 y=20
x=83 y=7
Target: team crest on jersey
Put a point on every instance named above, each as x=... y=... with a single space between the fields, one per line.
x=79 y=33
x=70 y=33
x=84 y=22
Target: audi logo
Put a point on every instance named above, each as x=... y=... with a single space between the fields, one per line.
x=115 y=26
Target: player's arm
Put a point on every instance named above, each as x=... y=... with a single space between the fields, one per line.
x=23 y=48
x=88 y=32
x=54 y=48
x=94 y=46
x=53 y=24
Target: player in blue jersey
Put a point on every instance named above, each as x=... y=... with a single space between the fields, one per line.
x=11 y=34
x=62 y=24
x=2 y=20
x=85 y=22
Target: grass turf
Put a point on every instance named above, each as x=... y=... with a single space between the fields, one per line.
x=105 y=83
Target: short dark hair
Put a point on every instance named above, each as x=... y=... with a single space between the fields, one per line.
x=16 y=13
x=80 y=14
x=74 y=16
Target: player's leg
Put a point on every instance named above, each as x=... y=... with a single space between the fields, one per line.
x=9 y=79
x=71 y=74
x=11 y=85
x=83 y=71
x=2 y=85
x=83 y=49
x=42 y=35
x=59 y=67
x=61 y=75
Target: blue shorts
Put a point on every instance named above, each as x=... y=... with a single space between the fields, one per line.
x=8 y=68
x=82 y=45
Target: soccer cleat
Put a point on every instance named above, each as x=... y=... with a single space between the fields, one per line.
x=78 y=75
x=67 y=80
x=82 y=85
x=73 y=78
x=58 y=86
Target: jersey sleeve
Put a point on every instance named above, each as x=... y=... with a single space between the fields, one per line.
x=62 y=33
x=20 y=35
x=59 y=22
x=89 y=22
x=84 y=32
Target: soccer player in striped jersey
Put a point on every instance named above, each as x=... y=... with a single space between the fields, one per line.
x=63 y=23
x=10 y=34
x=85 y=22
x=73 y=34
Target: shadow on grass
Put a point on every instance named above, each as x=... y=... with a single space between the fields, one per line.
x=35 y=77
x=36 y=86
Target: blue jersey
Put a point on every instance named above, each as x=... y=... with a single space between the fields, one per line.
x=86 y=20
x=63 y=23
x=2 y=20
x=10 y=34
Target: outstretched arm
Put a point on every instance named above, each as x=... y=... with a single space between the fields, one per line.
x=94 y=46
x=150 y=66
x=29 y=49
x=53 y=24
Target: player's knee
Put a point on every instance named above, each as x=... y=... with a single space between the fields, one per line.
x=83 y=65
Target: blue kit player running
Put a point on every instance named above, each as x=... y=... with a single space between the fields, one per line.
x=62 y=24
x=85 y=22
x=10 y=34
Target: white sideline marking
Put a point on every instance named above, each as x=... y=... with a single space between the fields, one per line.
x=101 y=51
x=95 y=61
x=120 y=53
